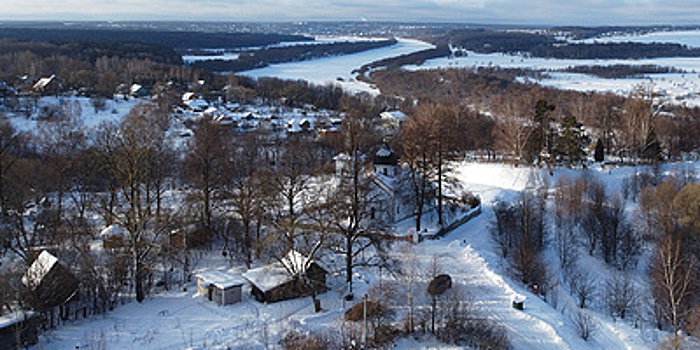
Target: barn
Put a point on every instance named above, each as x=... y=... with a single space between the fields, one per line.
x=293 y=276
x=220 y=287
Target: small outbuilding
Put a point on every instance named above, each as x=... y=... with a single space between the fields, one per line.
x=20 y=329
x=220 y=287
x=294 y=276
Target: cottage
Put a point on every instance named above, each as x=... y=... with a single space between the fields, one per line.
x=138 y=90
x=299 y=125
x=220 y=287
x=51 y=284
x=294 y=276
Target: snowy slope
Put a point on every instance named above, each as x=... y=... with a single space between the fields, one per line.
x=184 y=320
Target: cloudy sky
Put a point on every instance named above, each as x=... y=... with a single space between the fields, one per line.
x=537 y=12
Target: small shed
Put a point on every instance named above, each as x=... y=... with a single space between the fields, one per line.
x=50 y=283
x=220 y=287
x=138 y=90
x=294 y=276
x=20 y=329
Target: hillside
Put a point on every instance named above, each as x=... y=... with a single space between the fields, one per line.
x=181 y=319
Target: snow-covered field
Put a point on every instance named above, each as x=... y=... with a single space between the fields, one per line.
x=678 y=88
x=181 y=319
x=691 y=38
x=338 y=69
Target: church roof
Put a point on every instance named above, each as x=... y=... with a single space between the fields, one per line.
x=385 y=156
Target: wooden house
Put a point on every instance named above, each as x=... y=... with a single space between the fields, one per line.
x=220 y=287
x=138 y=90
x=293 y=276
x=50 y=283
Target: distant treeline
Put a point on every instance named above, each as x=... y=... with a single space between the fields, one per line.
x=540 y=45
x=621 y=71
x=91 y=51
x=173 y=39
x=626 y=50
x=264 y=57
x=581 y=33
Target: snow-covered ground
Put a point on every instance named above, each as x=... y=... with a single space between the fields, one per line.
x=181 y=319
x=338 y=69
x=678 y=88
x=691 y=38
x=114 y=110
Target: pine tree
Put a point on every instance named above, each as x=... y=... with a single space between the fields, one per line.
x=541 y=135
x=572 y=141
x=599 y=154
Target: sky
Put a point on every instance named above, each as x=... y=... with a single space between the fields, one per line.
x=531 y=12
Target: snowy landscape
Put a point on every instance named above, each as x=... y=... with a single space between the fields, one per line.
x=251 y=183
x=187 y=320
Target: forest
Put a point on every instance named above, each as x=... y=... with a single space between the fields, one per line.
x=547 y=46
x=178 y=40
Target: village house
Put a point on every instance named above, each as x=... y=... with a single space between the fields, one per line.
x=138 y=90
x=220 y=287
x=50 y=283
x=47 y=86
x=293 y=276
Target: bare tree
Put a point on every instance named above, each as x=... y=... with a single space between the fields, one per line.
x=620 y=295
x=583 y=286
x=128 y=152
x=585 y=325
x=673 y=282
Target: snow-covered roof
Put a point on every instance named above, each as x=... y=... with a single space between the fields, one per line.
x=268 y=277
x=14 y=317
x=113 y=231
x=187 y=96
x=135 y=88
x=385 y=155
x=398 y=115
x=39 y=268
x=43 y=82
x=197 y=104
x=211 y=110
x=298 y=125
x=220 y=279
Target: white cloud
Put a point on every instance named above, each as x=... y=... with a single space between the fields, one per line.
x=581 y=12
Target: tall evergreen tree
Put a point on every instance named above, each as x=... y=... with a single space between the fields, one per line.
x=572 y=141
x=599 y=154
x=541 y=136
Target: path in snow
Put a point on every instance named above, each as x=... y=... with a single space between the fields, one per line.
x=468 y=255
